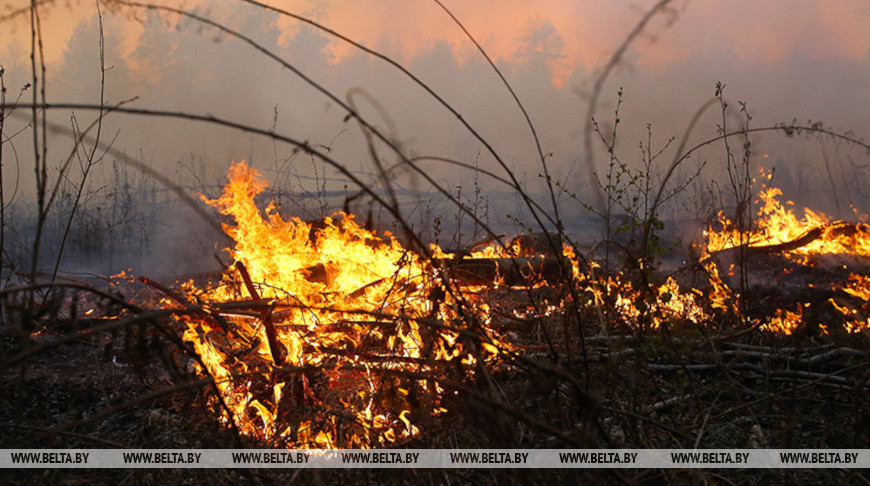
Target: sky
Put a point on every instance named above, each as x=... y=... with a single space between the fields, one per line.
x=757 y=32
x=803 y=60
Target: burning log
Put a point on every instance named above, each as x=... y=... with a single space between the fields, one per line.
x=521 y=271
x=536 y=243
x=358 y=355
x=467 y=272
x=844 y=232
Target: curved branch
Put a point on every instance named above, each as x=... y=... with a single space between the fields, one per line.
x=520 y=106
x=599 y=83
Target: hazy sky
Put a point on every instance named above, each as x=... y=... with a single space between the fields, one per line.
x=787 y=59
x=756 y=32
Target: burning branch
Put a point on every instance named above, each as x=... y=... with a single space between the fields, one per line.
x=198 y=314
x=166 y=290
x=843 y=232
x=265 y=316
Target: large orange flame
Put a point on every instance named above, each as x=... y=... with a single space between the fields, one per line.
x=353 y=311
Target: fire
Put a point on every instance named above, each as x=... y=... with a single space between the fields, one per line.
x=784 y=321
x=364 y=328
x=777 y=224
x=776 y=228
x=857 y=286
x=326 y=334
x=801 y=239
x=665 y=303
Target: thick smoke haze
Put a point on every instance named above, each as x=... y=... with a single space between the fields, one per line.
x=805 y=60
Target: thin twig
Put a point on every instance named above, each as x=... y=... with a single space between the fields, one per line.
x=599 y=84
x=90 y=156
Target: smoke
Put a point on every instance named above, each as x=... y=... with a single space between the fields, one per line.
x=786 y=61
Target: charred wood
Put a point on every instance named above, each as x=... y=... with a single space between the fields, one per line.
x=522 y=271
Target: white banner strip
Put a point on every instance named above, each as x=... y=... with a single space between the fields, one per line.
x=436 y=458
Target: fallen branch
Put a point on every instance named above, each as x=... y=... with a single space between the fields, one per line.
x=603 y=358
x=200 y=314
x=833 y=230
x=670 y=402
x=769 y=373
x=769 y=355
x=520 y=271
x=172 y=294
x=834 y=354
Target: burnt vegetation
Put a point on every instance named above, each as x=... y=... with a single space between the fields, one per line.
x=539 y=339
